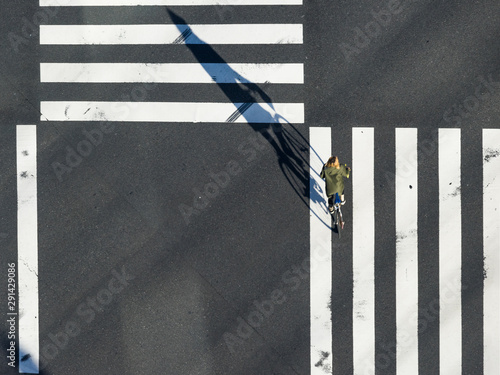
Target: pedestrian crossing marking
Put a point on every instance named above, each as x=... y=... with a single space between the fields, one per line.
x=170 y=112
x=491 y=243
x=406 y=251
x=321 y=238
x=450 y=252
x=97 y=3
x=169 y=34
x=27 y=247
x=172 y=73
x=363 y=250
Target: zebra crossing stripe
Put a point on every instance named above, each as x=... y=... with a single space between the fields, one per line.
x=170 y=112
x=406 y=252
x=171 y=73
x=27 y=248
x=169 y=34
x=450 y=254
x=320 y=254
x=44 y=3
x=491 y=243
x=363 y=247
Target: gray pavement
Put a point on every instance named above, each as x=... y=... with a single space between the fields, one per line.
x=190 y=272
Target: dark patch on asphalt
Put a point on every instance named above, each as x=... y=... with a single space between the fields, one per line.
x=490 y=153
x=99 y=115
x=400 y=236
x=25 y=153
x=456 y=192
x=25 y=357
x=321 y=362
x=358 y=306
x=24 y=174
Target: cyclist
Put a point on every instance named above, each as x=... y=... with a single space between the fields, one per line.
x=333 y=173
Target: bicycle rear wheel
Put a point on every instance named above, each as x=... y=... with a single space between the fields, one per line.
x=338 y=222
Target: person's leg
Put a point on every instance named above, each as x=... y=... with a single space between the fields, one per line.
x=342 y=197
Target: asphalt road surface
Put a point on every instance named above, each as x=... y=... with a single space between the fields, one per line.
x=177 y=245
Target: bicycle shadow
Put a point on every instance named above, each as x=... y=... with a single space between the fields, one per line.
x=289 y=144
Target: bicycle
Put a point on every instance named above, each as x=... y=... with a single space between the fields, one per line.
x=337 y=214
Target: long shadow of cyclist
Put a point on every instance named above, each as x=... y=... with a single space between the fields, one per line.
x=289 y=145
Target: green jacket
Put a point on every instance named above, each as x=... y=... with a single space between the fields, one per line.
x=334 y=179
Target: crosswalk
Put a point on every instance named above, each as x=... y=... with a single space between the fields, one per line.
x=450 y=244
x=167 y=58
x=406 y=250
x=74 y=36
x=26 y=145
x=491 y=239
x=165 y=2
x=363 y=259
x=449 y=306
x=409 y=318
x=321 y=325
x=74 y=69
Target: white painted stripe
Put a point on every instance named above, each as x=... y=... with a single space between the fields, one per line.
x=320 y=254
x=450 y=252
x=363 y=251
x=27 y=247
x=171 y=34
x=170 y=112
x=171 y=73
x=406 y=252
x=491 y=239
x=97 y=3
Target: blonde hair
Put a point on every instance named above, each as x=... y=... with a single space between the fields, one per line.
x=333 y=162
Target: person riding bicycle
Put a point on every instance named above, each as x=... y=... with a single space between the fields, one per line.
x=333 y=173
